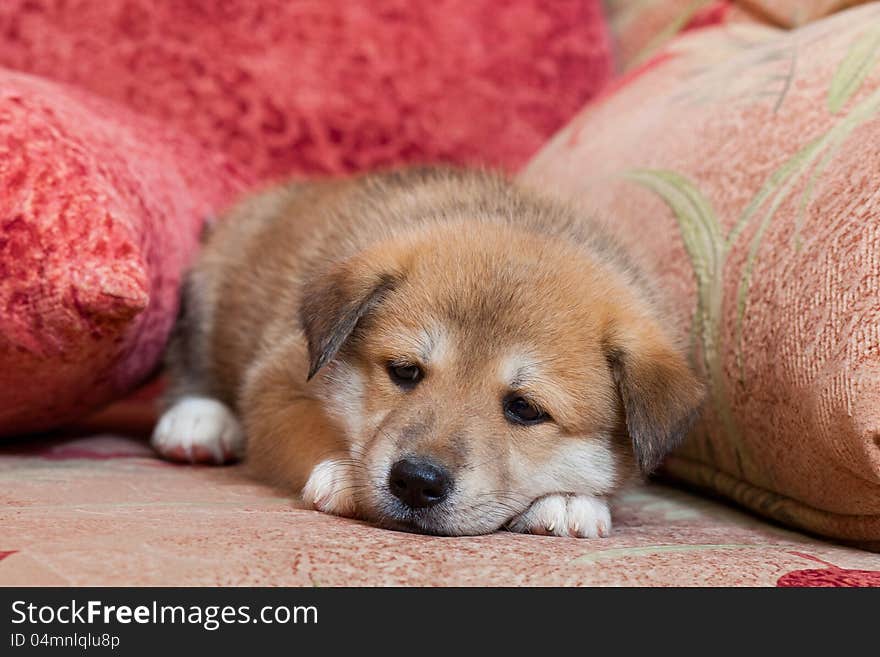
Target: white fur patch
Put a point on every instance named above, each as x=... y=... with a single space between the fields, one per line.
x=432 y=345
x=330 y=488
x=438 y=346
x=580 y=516
x=525 y=370
x=517 y=366
x=199 y=430
x=583 y=465
x=344 y=386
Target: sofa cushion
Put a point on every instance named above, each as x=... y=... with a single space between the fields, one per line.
x=793 y=13
x=741 y=165
x=100 y=211
x=327 y=87
x=642 y=27
x=134 y=520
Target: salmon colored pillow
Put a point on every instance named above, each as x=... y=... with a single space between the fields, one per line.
x=742 y=165
x=642 y=27
x=99 y=213
x=792 y=13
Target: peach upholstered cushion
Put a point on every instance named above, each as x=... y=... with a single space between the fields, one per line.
x=641 y=27
x=742 y=164
x=134 y=520
x=792 y=13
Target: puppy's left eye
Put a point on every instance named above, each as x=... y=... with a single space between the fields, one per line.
x=406 y=375
x=522 y=411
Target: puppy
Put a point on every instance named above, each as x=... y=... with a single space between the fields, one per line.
x=432 y=350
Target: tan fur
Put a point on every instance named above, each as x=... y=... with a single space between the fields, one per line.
x=489 y=287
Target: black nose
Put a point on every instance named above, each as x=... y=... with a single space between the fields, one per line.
x=419 y=483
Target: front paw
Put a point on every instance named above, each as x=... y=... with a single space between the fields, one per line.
x=565 y=515
x=331 y=488
x=199 y=430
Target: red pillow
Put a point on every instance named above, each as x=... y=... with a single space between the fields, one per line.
x=100 y=211
x=328 y=86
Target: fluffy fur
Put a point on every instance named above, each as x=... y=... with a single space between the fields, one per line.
x=307 y=296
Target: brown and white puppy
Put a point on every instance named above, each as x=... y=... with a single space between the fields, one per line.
x=433 y=350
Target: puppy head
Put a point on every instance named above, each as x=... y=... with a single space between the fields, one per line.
x=474 y=369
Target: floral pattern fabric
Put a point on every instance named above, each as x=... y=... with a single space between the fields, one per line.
x=103 y=510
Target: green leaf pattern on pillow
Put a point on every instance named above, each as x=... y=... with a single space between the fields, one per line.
x=707 y=248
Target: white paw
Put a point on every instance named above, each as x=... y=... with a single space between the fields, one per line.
x=330 y=488
x=565 y=515
x=199 y=430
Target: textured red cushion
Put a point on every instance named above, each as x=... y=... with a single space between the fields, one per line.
x=99 y=209
x=99 y=212
x=328 y=86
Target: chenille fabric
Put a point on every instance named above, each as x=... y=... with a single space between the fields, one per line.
x=100 y=211
x=288 y=87
x=137 y=120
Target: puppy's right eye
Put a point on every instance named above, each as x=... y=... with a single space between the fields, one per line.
x=520 y=410
x=406 y=375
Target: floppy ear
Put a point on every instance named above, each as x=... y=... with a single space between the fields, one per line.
x=661 y=396
x=335 y=302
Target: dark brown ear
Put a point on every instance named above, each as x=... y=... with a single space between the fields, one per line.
x=661 y=396
x=336 y=301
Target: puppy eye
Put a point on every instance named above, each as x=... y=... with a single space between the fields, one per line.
x=405 y=375
x=521 y=411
